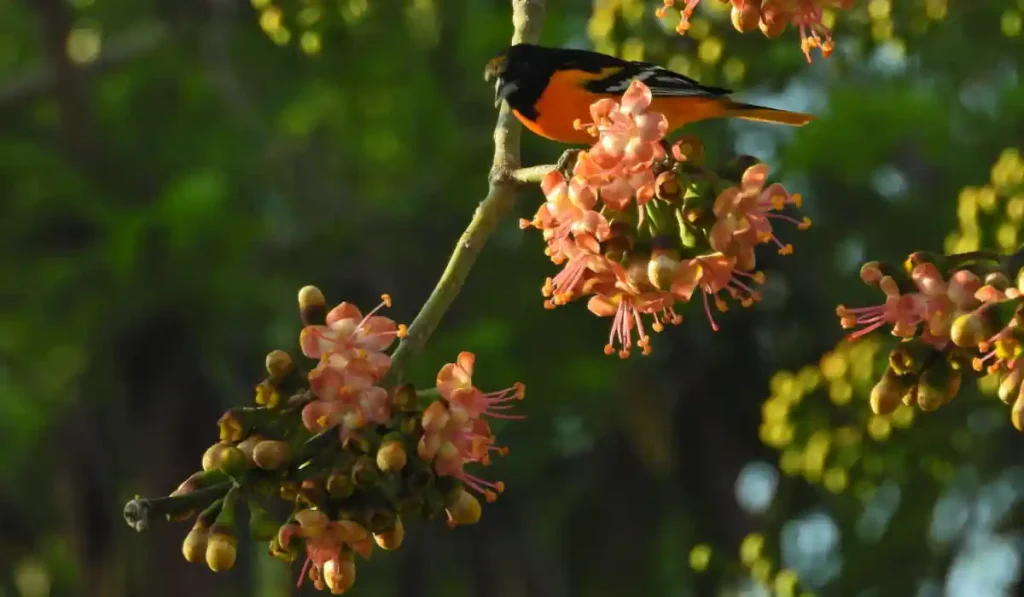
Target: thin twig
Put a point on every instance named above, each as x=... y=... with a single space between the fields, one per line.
x=533 y=174
x=527 y=17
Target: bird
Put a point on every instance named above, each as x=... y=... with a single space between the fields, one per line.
x=550 y=89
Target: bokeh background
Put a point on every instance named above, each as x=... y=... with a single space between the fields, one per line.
x=172 y=171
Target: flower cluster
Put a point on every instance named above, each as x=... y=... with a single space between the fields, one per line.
x=956 y=315
x=772 y=17
x=639 y=228
x=340 y=464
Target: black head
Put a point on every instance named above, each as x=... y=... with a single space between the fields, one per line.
x=511 y=71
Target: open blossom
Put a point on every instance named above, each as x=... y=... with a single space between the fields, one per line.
x=772 y=17
x=637 y=238
x=330 y=547
x=350 y=347
x=455 y=430
x=930 y=307
x=948 y=311
x=618 y=166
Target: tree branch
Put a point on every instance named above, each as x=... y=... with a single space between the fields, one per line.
x=533 y=174
x=527 y=18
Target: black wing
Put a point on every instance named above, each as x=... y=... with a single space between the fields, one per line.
x=661 y=81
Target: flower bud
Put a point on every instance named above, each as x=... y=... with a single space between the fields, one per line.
x=689 y=149
x=364 y=473
x=969 y=330
x=194 y=546
x=937 y=386
x=667 y=186
x=339 y=486
x=1017 y=413
x=221 y=550
x=747 y=18
x=312 y=306
x=267 y=394
x=248 y=445
x=232 y=460
x=997 y=280
x=886 y=394
x=230 y=427
x=662 y=268
x=391 y=456
x=212 y=456
x=340 y=573
x=403 y=397
x=391 y=540
x=464 y=509
x=271 y=454
x=772 y=27
x=1009 y=386
x=279 y=365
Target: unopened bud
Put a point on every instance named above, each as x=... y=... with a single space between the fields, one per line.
x=969 y=330
x=1017 y=413
x=248 y=445
x=364 y=473
x=230 y=427
x=232 y=461
x=312 y=306
x=886 y=394
x=391 y=456
x=221 y=550
x=464 y=509
x=340 y=486
x=279 y=365
x=772 y=27
x=194 y=545
x=938 y=385
x=668 y=186
x=1009 y=386
x=689 y=149
x=403 y=397
x=391 y=540
x=339 y=573
x=271 y=454
x=213 y=455
x=267 y=394
x=747 y=18
x=997 y=280
x=662 y=267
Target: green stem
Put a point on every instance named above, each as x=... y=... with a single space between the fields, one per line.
x=526 y=19
x=137 y=512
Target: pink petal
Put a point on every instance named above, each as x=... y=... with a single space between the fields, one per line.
x=754 y=177
x=343 y=311
x=636 y=99
x=602 y=306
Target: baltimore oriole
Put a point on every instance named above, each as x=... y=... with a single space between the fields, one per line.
x=548 y=89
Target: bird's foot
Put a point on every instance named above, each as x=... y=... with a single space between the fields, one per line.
x=567 y=162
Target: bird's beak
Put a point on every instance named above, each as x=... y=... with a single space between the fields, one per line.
x=502 y=90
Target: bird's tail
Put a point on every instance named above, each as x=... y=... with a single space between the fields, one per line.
x=763 y=114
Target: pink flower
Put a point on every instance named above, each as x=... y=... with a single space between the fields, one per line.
x=455 y=432
x=743 y=214
x=936 y=303
x=618 y=167
x=353 y=337
x=330 y=546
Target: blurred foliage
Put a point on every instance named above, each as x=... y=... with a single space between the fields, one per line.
x=172 y=170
